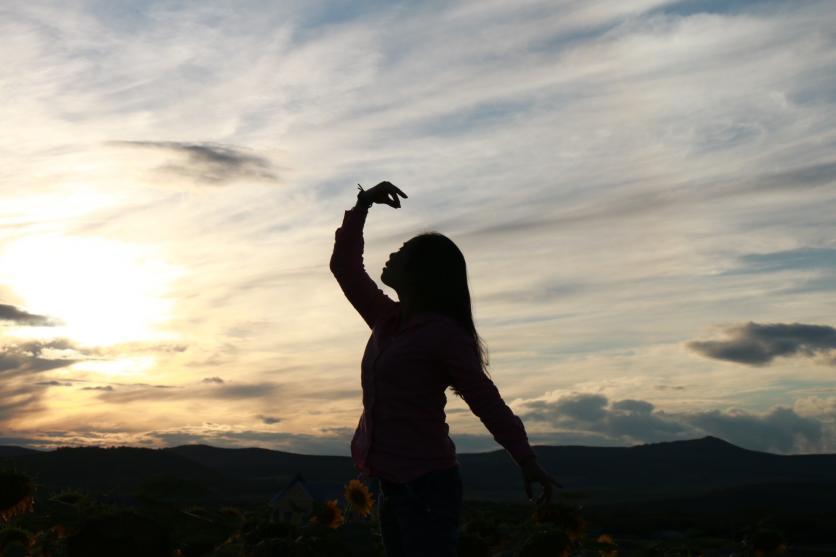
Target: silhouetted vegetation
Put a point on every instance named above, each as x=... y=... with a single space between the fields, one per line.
x=75 y=522
x=200 y=501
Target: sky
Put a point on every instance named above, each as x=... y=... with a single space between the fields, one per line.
x=643 y=191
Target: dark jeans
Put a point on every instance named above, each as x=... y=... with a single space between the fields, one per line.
x=421 y=518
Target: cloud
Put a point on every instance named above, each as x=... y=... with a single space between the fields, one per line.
x=816 y=406
x=21 y=396
x=226 y=391
x=19 y=400
x=813 y=268
x=98 y=388
x=26 y=357
x=20 y=317
x=601 y=421
x=587 y=408
x=794 y=259
x=333 y=443
x=627 y=152
x=663 y=387
x=780 y=430
x=212 y=380
x=809 y=176
x=268 y=419
x=758 y=344
x=624 y=420
x=246 y=391
x=210 y=163
x=641 y=407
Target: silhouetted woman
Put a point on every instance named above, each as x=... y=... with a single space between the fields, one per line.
x=418 y=347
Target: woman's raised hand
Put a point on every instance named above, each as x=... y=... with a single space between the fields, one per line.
x=384 y=192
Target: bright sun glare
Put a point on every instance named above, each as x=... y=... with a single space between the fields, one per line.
x=103 y=292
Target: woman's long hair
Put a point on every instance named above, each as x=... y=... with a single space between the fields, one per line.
x=437 y=272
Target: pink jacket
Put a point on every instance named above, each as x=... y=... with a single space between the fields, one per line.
x=402 y=432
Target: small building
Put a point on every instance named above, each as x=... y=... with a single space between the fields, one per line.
x=295 y=503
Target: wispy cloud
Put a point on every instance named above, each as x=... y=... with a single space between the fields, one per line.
x=53 y=383
x=269 y=420
x=209 y=163
x=226 y=391
x=26 y=357
x=619 y=176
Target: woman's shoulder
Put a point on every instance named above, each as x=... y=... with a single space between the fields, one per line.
x=453 y=331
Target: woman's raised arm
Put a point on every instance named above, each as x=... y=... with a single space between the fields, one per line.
x=347 y=257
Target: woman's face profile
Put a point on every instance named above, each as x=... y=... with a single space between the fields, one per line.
x=394 y=271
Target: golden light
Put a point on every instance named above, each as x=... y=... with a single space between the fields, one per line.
x=103 y=291
x=123 y=366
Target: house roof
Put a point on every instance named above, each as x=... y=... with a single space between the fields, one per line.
x=319 y=491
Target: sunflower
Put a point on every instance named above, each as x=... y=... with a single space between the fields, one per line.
x=16 y=494
x=564 y=517
x=608 y=547
x=331 y=515
x=358 y=496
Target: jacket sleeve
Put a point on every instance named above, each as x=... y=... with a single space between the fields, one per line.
x=462 y=361
x=347 y=267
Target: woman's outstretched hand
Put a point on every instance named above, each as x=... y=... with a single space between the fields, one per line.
x=533 y=473
x=384 y=192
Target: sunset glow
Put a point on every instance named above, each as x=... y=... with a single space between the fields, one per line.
x=643 y=191
x=98 y=291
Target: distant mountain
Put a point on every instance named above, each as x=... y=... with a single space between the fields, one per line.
x=266 y=463
x=591 y=475
x=11 y=450
x=117 y=469
x=705 y=462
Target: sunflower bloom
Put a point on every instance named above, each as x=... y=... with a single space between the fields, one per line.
x=16 y=494
x=331 y=515
x=358 y=496
x=610 y=551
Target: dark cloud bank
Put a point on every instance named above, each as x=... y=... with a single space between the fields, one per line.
x=759 y=344
x=579 y=419
x=12 y=314
x=28 y=357
x=22 y=387
x=594 y=419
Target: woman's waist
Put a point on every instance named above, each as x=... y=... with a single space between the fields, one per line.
x=417 y=477
x=411 y=427
x=412 y=443
x=421 y=414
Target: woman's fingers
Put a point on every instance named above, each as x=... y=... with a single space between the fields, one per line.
x=388 y=189
x=546 y=496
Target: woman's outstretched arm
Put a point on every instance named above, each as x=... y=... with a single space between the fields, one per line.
x=464 y=365
x=462 y=360
x=347 y=260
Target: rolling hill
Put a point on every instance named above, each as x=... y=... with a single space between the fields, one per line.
x=671 y=471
